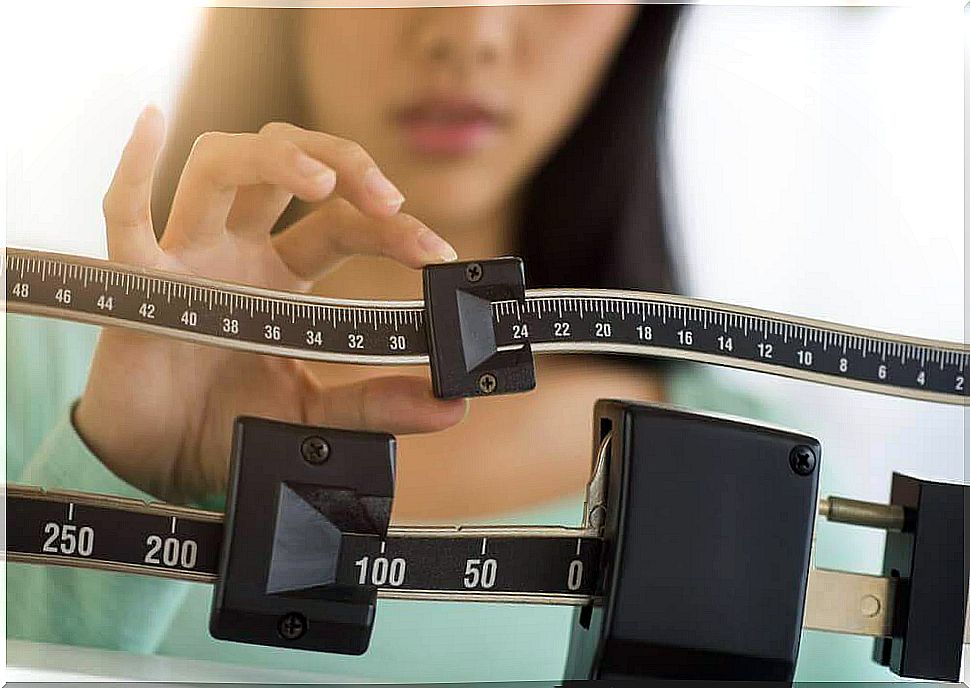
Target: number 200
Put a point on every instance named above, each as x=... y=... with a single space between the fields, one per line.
x=174 y=552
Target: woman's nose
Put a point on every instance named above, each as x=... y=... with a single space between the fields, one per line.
x=464 y=36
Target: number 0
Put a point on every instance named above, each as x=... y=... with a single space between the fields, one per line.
x=575 y=577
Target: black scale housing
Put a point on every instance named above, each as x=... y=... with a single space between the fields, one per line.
x=930 y=559
x=707 y=544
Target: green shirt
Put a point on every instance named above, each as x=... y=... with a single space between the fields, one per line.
x=47 y=363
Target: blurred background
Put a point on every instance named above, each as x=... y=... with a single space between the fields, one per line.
x=815 y=166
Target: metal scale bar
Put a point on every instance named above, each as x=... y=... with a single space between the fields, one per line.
x=551 y=320
x=531 y=564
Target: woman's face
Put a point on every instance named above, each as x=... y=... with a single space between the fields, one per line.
x=458 y=105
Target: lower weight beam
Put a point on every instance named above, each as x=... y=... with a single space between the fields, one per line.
x=62 y=528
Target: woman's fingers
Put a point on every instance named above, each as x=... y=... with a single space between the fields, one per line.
x=256 y=208
x=244 y=181
x=394 y=404
x=359 y=180
x=336 y=230
x=219 y=163
x=127 y=203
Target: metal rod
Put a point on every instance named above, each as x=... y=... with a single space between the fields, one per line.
x=859 y=513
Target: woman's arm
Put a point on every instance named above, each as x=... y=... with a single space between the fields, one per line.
x=511 y=453
x=47 y=362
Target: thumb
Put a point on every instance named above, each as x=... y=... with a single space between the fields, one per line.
x=396 y=404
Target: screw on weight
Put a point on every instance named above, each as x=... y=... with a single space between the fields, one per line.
x=487 y=383
x=315 y=450
x=473 y=272
x=802 y=459
x=291 y=626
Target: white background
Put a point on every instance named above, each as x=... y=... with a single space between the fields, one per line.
x=817 y=169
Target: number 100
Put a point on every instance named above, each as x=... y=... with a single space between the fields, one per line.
x=381 y=571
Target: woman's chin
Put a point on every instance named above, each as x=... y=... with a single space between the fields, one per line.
x=452 y=203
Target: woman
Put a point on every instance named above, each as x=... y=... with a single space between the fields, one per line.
x=407 y=136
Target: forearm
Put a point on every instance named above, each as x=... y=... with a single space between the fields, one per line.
x=78 y=606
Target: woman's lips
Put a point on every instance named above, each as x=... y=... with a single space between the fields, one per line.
x=449 y=127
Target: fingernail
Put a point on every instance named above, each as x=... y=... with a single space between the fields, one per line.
x=148 y=130
x=310 y=167
x=378 y=185
x=144 y=116
x=436 y=248
x=325 y=180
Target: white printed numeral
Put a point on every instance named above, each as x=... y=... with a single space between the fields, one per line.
x=174 y=552
x=63 y=296
x=381 y=571
x=574 y=578
x=69 y=539
x=21 y=290
x=480 y=573
x=272 y=332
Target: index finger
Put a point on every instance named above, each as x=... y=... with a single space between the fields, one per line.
x=127 y=203
x=359 y=179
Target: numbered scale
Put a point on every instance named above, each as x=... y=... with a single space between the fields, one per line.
x=551 y=565
x=548 y=320
x=306 y=572
x=308 y=576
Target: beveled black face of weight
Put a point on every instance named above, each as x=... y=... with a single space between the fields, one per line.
x=294 y=493
x=462 y=345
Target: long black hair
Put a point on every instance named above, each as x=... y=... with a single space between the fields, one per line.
x=592 y=215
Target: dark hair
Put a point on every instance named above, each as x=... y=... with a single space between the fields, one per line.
x=591 y=215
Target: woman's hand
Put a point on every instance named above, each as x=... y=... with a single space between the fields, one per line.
x=159 y=412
